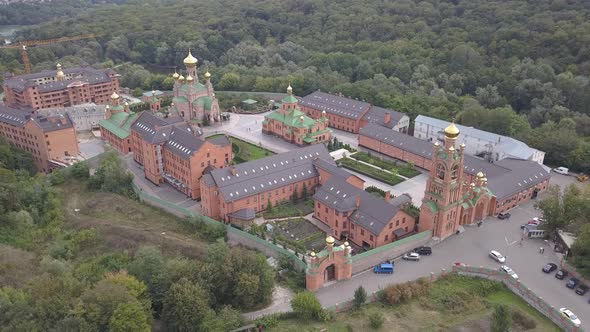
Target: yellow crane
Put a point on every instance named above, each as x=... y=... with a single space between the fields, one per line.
x=24 y=44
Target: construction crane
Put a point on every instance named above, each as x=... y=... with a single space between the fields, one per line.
x=24 y=44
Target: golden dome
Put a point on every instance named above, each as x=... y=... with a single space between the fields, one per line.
x=330 y=240
x=126 y=104
x=181 y=78
x=452 y=131
x=207 y=74
x=452 y=148
x=346 y=244
x=108 y=107
x=175 y=75
x=472 y=184
x=189 y=78
x=479 y=175
x=485 y=179
x=58 y=66
x=114 y=95
x=289 y=89
x=190 y=59
x=436 y=143
x=312 y=254
x=462 y=145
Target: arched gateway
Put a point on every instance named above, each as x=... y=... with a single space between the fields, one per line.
x=332 y=263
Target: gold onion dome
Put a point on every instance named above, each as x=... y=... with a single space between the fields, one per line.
x=452 y=148
x=289 y=89
x=126 y=104
x=114 y=95
x=452 y=131
x=346 y=244
x=175 y=75
x=330 y=240
x=479 y=175
x=312 y=254
x=436 y=143
x=189 y=78
x=462 y=146
x=181 y=78
x=190 y=59
x=207 y=74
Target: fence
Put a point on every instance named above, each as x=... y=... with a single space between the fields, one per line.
x=395 y=249
x=235 y=236
x=522 y=291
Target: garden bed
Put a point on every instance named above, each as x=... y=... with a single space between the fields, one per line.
x=375 y=173
x=408 y=170
x=290 y=209
x=300 y=234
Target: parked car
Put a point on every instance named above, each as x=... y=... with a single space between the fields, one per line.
x=571 y=316
x=523 y=226
x=549 y=267
x=582 y=289
x=411 y=256
x=460 y=264
x=509 y=271
x=423 y=250
x=504 y=215
x=497 y=256
x=384 y=268
x=561 y=274
x=562 y=170
x=572 y=283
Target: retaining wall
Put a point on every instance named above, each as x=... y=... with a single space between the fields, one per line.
x=368 y=259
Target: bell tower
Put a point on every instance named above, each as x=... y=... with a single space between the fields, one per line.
x=443 y=196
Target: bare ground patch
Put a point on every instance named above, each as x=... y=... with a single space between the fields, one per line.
x=17 y=266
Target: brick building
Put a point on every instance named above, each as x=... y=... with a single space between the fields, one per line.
x=50 y=139
x=115 y=128
x=172 y=150
x=60 y=88
x=292 y=125
x=351 y=115
x=511 y=181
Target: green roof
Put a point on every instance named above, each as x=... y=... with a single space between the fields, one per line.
x=179 y=100
x=205 y=101
x=119 y=108
x=289 y=99
x=119 y=124
x=196 y=86
x=432 y=206
x=249 y=101
x=309 y=139
x=320 y=132
x=292 y=119
x=154 y=100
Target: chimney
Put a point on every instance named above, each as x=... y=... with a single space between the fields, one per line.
x=358 y=201
x=233 y=171
x=387 y=117
x=387 y=196
x=64 y=121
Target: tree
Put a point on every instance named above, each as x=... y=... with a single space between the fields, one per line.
x=186 y=306
x=80 y=170
x=360 y=297
x=149 y=266
x=306 y=305
x=112 y=176
x=581 y=251
x=98 y=304
x=501 y=319
x=229 y=81
x=304 y=192
x=129 y=317
x=561 y=210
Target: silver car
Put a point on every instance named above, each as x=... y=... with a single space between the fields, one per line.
x=497 y=256
x=412 y=256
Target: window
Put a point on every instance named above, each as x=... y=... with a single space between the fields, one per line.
x=351 y=226
x=386 y=237
x=371 y=237
x=336 y=222
x=440 y=171
x=396 y=223
x=362 y=231
x=390 y=226
x=326 y=209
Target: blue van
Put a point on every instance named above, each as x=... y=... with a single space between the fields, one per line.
x=384 y=268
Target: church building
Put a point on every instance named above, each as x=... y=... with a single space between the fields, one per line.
x=294 y=126
x=449 y=200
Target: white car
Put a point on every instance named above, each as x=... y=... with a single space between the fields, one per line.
x=571 y=316
x=561 y=170
x=413 y=256
x=509 y=271
x=497 y=256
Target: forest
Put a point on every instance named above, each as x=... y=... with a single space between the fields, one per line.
x=80 y=253
x=514 y=67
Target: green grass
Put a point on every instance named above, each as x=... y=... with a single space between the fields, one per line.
x=244 y=151
x=290 y=209
x=375 y=173
x=407 y=171
x=471 y=310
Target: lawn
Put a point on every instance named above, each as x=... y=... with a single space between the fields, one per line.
x=290 y=209
x=375 y=173
x=453 y=304
x=299 y=234
x=408 y=170
x=244 y=151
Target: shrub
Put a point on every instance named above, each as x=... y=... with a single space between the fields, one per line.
x=501 y=319
x=326 y=316
x=306 y=305
x=523 y=320
x=268 y=321
x=360 y=297
x=376 y=320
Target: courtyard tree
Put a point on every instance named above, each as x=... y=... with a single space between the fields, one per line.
x=562 y=209
x=360 y=297
x=306 y=305
x=581 y=251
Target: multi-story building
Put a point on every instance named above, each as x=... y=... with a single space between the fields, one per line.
x=292 y=125
x=510 y=181
x=193 y=100
x=50 y=139
x=490 y=146
x=174 y=151
x=60 y=88
x=236 y=193
x=86 y=117
x=351 y=115
x=115 y=128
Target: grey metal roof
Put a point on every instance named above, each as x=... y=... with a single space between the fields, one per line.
x=272 y=172
x=13 y=117
x=401 y=200
x=377 y=115
x=399 y=140
x=54 y=122
x=244 y=214
x=18 y=118
x=73 y=75
x=74 y=110
x=220 y=140
x=373 y=213
x=473 y=165
x=208 y=179
x=337 y=105
x=523 y=174
x=331 y=168
x=183 y=143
